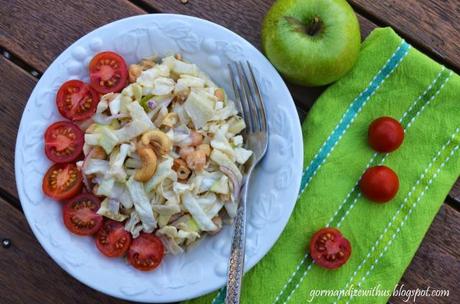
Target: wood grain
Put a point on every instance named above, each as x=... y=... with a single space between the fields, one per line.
x=38 y=31
x=455 y=192
x=15 y=87
x=243 y=17
x=28 y=275
x=437 y=262
x=433 y=25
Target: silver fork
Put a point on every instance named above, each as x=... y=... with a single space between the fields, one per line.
x=252 y=108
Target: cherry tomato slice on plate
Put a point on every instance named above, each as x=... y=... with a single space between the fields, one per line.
x=62 y=181
x=379 y=184
x=63 y=142
x=112 y=239
x=108 y=72
x=80 y=215
x=329 y=248
x=146 y=252
x=385 y=134
x=76 y=100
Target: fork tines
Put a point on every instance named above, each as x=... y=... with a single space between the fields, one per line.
x=248 y=97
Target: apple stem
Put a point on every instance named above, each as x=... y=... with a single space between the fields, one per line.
x=314 y=27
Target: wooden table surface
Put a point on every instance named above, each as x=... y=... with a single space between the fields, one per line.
x=33 y=33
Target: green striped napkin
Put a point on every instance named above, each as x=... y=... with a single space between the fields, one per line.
x=390 y=79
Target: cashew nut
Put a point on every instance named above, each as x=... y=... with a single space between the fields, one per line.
x=185 y=151
x=134 y=72
x=224 y=197
x=159 y=141
x=196 y=160
x=219 y=93
x=91 y=128
x=197 y=138
x=147 y=63
x=149 y=165
x=183 y=172
x=98 y=153
x=170 y=120
x=206 y=148
x=178 y=56
x=217 y=220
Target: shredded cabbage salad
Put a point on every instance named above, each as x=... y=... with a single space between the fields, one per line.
x=166 y=153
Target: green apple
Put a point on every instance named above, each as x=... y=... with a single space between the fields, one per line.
x=311 y=42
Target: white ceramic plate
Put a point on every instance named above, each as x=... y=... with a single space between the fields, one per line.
x=273 y=189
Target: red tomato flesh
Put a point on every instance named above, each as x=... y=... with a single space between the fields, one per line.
x=146 y=252
x=329 y=248
x=385 y=134
x=112 y=239
x=379 y=184
x=108 y=72
x=76 y=100
x=62 y=181
x=80 y=215
x=63 y=142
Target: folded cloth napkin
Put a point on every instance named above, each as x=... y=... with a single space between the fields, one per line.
x=391 y=78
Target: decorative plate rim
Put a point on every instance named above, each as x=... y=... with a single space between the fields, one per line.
x=188 y=290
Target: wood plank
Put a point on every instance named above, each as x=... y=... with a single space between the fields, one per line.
x=455 y=192
x=27 y=273
x=437 y=262
x=16 y=86
x=431 y=24
x=38 y=31
x=244 y=17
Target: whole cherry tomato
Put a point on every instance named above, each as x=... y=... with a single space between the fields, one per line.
x=385 y=134
x=379 y=184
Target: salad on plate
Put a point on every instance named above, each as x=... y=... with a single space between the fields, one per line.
x=150 y=160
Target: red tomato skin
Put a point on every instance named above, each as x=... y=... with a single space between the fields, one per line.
x=47 y=189
x=108 y=249
x=339 y=243
x=77 y=142
x=379 y=184
x=385 y=134
x=60 y=100
x=122 y=70
x=68 y=212
x=143 y=247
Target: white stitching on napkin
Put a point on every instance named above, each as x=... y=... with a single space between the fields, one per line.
x=308 y=181
x=409 y=194
x=414 y=205
x=407 y=127
x=414 y=103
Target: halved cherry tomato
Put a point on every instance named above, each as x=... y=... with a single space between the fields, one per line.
x=146 y=252
x=385 y=134
x=379 y=184
x=108 y=72
x=63 y=142
x=329 y=248
x=62 y=181
x=80 y=215
x=112 y=239
x=76 y=100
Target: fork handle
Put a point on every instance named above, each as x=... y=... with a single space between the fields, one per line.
x=236 y=264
